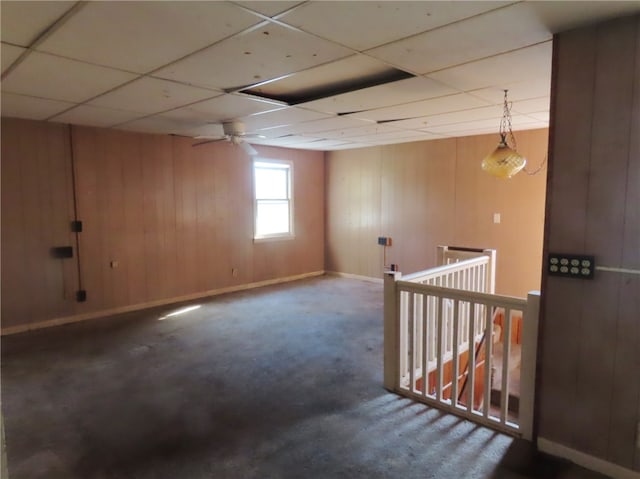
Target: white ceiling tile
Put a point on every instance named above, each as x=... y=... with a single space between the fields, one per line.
x=160 y=125
x=23 y=22
x=10 y=54
x=349 y=146
x=322 y=144
x=402 y=139
x=519 y=65
x=531 y=126
x=534 y=87
x=487 y=130
x=363 y=25
x=432 y=106
x=223 y=107
x=567 y=15
x=482 y=113
x=394 y=93
x=476 y=131
x=142 y=36
x=509 y=29
x=283 y=140
x=269 y=8
x=285 y=116
x=150 y=95
x=20 y=106
x=534 y=105
x=392 y=135
x=96 y=116
x=370 y=129
x=315 y=126
x=262 y=54
x=58 y=78
x=492 y=124
x=543 y=116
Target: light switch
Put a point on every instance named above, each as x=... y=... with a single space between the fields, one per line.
x=496 y=218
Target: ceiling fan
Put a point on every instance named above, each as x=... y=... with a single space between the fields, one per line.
x=235 y=133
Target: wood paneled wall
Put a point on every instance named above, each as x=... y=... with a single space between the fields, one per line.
x=429 y=193
x=161 y=219
x=590 y=336
x=37 y=210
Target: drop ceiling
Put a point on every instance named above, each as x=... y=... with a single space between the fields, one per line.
x=180 y=67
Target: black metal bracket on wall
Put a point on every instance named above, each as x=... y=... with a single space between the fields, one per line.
x=76 y=224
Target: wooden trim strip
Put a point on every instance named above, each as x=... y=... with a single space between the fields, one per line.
x=586 y=460
x=136 y=307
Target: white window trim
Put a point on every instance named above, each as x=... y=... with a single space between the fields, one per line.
x=276 y=236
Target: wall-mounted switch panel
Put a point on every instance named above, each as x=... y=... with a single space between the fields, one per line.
x=571 y=265
x=384 y=241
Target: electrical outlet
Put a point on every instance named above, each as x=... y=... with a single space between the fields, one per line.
x=571 y=265
x=234 y=272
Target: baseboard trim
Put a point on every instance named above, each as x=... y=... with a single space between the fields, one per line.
x=586 y=460
x=355 y=276
x=151 y=304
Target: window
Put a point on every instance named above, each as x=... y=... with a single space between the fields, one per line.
x=273 y=196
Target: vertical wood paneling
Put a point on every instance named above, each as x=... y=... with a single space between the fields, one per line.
x=305 y=252
x=186 y=175
x=604 y=233
x=435 y=193
x=567 y=224
x=590 y=392
x=630 y=307
x=161 y=219
x=132 y=260
x=627 y=350
x=519 y=201
x=87 y=174
x=36 y=212
x=353 y=213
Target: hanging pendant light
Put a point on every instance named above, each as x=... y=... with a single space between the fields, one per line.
x=504 y=161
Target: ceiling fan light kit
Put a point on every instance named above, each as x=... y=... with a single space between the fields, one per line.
x=505 y=161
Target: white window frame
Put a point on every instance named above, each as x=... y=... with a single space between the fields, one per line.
x=281 y=164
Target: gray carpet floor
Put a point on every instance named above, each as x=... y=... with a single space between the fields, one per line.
x=279 y=382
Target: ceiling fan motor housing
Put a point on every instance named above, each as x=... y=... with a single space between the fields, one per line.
x=233 y=128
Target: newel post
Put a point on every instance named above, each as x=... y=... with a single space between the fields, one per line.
x=441 y=253
x=391 y=329
x=528 y=363
x=491 y=271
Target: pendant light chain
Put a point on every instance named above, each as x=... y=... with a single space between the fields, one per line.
x=506 y=125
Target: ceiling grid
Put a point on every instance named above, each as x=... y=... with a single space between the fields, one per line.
x=178 y=67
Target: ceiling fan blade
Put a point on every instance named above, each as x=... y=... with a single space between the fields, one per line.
x=253 y=135
x=205 y=142
x=250 y=150
x=210 y=139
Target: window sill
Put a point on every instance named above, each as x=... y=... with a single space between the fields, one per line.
x=265 y=239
